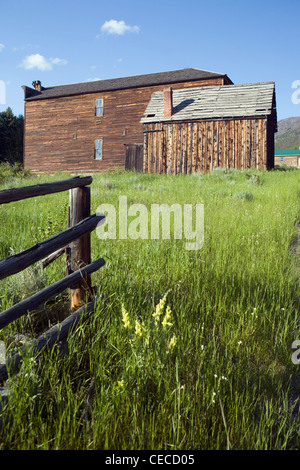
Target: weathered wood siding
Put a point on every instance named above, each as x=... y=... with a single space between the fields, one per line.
x=134 y=157
x=60 y=132
x=201 y=146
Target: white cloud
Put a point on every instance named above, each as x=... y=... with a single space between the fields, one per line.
x=37 y=61
x=58 y=61
x=1 y=47
x=118 y=27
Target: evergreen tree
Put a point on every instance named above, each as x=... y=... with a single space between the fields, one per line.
x=11 y=137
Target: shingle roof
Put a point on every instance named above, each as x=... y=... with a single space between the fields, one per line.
x=160 y=78
x=212 y=102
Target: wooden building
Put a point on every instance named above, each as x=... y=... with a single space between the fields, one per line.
x=199 y=129
x=93 y=126
x=290 y=157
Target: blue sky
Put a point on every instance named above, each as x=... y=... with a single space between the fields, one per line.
x=66 y=41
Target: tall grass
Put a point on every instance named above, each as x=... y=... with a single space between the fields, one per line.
x=217 y=374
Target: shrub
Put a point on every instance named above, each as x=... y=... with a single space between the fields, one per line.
x=7 y=172
x=284 y=168
x=244 y=195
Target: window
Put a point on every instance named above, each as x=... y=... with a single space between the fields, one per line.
x=99 y=107
x=98 y=149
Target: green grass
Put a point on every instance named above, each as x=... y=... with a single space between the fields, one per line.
x=225 y=380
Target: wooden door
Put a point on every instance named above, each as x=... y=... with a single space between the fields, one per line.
x=134 y=157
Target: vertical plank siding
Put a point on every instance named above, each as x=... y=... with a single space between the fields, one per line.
x=187 y=147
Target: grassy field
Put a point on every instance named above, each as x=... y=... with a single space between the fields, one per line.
x=186 y=349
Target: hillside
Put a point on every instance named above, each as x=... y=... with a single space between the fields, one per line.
x=288 y=135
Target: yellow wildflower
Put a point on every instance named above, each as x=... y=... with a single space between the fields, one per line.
x=172 y=343
x=125 y=317
x=119 y=384
x=138 y=328
x=167 y=317
x=159 y=309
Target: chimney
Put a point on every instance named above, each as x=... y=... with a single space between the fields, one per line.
x=168 y=102
x=37 y=85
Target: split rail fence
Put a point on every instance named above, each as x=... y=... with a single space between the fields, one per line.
x=75 y=242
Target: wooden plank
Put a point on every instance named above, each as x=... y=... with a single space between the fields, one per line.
x=251 y=156
x=80 y=249
x=169 y=148
x=16 y=194
x=236 y=144
x=53 y=257
x=257 y=142
x=145 y=152
x=16 y=263
x=200 y=147
x=194 y=147
x=230 y=145
x=260 y=144
x=164 y=150
x=209 y=146
x=190 y=150
x=175 y=143
x=32 y=302
x=248 y=143
x=204 y=146
x=221 y=148
x=154 y=150
x=216 y=144
x=184 y=145
x=264 y=137
x=243 y=145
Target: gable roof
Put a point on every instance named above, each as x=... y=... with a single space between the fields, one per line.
x=214 y=102
x=175 y=76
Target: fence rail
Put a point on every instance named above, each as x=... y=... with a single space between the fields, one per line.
x=16 y=263
x=16 y=194
x=74 y=242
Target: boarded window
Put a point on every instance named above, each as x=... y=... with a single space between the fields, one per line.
x=99 y=107
x=98 y=149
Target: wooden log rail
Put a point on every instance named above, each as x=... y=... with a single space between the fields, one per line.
x=16 y=194
x=20 y=309
x=16 y=263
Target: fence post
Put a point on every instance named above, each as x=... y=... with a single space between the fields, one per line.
x=80 y=249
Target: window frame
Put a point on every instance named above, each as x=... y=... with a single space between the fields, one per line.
x=99 y=108
x=98 y=146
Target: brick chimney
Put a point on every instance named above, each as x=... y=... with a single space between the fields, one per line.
x=37 y=85
x=168 y=102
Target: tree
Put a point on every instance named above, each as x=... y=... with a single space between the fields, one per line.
x=11 y=137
